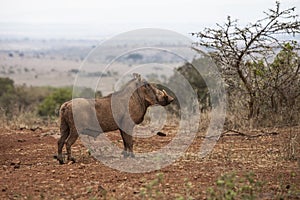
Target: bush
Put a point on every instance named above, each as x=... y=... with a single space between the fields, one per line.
x=51 y=104
x=6 y=86
x=7 y=94
x=17 y=100
x=230 y=186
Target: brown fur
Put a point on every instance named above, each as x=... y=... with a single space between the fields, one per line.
x=126 y=113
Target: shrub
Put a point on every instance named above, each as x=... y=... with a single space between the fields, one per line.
x=50 y=105
x=230 y=186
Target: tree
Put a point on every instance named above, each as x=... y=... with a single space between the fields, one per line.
x=277 y=84
x=197 y=82
x=194 y=79
x=283 y=79
x=234 y=48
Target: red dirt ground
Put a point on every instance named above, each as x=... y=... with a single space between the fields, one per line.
x=28 y=170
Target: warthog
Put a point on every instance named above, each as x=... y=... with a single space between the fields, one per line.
x=120 y=110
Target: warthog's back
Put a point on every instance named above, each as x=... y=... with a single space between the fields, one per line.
x=89 y=114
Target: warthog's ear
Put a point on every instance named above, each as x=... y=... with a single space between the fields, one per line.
x=137 y=76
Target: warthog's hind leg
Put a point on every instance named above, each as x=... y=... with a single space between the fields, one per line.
x=70 y=141
x=64 y=131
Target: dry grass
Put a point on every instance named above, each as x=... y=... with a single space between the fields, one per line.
x=27 y=120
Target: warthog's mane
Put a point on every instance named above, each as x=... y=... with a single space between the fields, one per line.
x=132 y=89
x=131 y=86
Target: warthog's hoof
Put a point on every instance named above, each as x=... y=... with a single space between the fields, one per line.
x=73 y=160
x=127 y=154
x=60 y=159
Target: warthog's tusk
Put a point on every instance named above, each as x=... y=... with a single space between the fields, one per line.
x=164 y=91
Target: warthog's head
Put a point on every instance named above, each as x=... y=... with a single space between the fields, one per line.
x=152 y=94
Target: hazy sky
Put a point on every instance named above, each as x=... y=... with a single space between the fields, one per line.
x=113 y=16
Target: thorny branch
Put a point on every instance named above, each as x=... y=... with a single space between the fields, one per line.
x=232 y=47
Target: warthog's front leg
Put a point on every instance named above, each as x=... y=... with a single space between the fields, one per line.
x=128 y=144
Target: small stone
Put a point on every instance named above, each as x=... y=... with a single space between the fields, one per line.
x=16 y=163
x=16 y=166
x=101 y=190
x=161 y=134
x=70 y=163
x=136 y=192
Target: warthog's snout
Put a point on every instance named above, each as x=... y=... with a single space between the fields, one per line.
x=164 y=98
